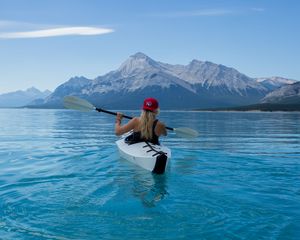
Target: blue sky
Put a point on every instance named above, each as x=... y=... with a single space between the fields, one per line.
x=44 y=43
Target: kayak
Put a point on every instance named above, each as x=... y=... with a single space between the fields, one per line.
x=149 y=156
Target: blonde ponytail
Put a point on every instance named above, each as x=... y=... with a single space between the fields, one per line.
x=146 y=122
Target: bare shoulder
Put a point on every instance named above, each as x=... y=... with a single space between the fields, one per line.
x=161 y=124
x=136 y=120
x=135 y=123
x=160 y=128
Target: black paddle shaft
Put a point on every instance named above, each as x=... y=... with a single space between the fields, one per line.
x=112 y=113
x=124 y=116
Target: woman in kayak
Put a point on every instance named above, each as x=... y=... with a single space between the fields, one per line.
x=146 y=127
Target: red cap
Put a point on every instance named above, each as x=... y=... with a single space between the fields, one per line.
x=150 y=104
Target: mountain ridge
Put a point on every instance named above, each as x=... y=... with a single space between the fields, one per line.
x=198 y=84
x=289 y=94
x=21 y=98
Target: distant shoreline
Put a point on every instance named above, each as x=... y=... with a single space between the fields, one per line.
x=250 y=108
x=264 y=107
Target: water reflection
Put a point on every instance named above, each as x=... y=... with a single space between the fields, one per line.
x=150 y=188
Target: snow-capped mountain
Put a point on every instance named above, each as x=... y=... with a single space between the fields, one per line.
x=136 y=73
x=273 y=83
x=210 y=75
x=196 y=85
x=289 y=94
x=21 y=98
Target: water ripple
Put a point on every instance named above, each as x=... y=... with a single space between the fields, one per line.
x=61 y=178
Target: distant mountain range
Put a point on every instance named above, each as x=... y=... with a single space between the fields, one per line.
x=21 y=98
x=285 y=98
x=196 y=85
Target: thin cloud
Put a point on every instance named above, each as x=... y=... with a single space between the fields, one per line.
x=258 y=9
x=196 y=13
x=205 y=13
x=56 y=32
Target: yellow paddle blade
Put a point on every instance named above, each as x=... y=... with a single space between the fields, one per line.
x=186 y=132
x=77 y=103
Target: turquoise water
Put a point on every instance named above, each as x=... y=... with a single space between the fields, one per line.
x=61 y=178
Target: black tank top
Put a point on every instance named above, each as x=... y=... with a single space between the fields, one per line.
x=135 y=137
x=154 y=139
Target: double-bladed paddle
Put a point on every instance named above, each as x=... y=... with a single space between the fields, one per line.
x=80 y=104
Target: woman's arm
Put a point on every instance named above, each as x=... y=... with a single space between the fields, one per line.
x=119 y=130
x=160 y=129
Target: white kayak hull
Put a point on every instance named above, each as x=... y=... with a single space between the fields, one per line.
x=154 y=158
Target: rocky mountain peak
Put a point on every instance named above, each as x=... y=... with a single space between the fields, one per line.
x=33 y=90
x=140 y=55
x=137 y=63
x=79 y=81
x=195 y=62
